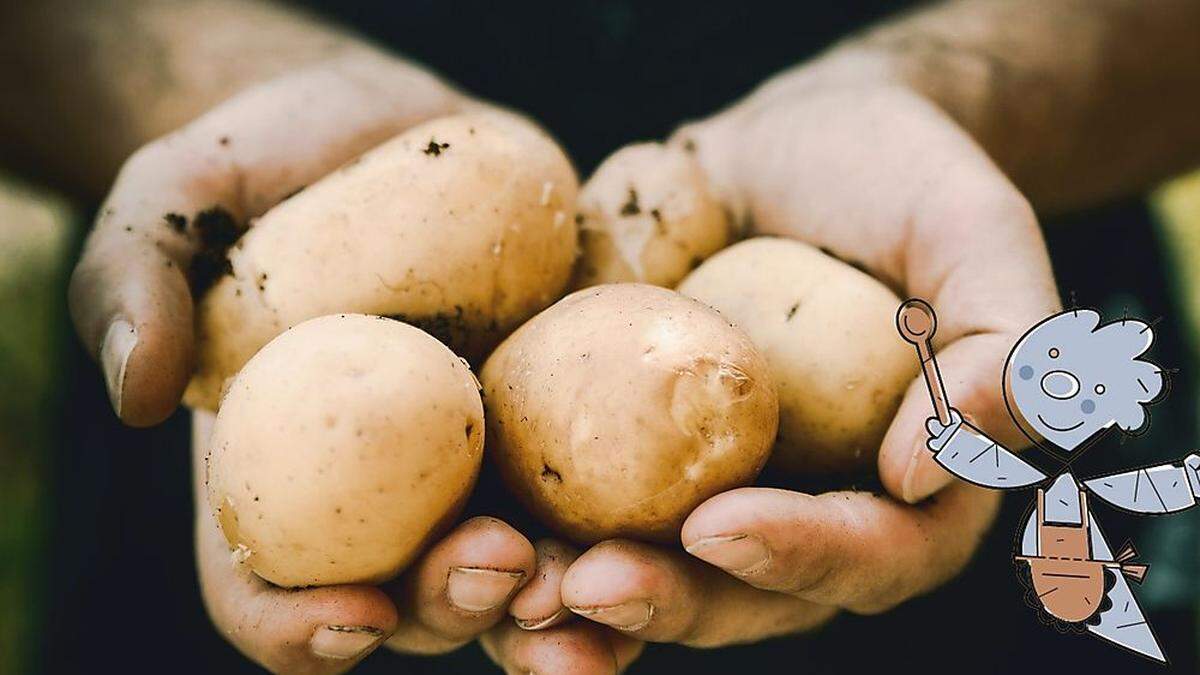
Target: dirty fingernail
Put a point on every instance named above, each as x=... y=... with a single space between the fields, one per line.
x=538 y=624
x=344 y=642
x=118 y=344
x=922 y=477
x=472 y=589
x=632 y=615
x=736 y=553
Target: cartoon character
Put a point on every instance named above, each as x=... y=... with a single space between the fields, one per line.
x=1067 y=381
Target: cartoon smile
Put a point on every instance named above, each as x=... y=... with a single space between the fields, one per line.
x=1059 y=429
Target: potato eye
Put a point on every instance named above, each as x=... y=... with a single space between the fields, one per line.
x=1099 y=389
x=1054 y=352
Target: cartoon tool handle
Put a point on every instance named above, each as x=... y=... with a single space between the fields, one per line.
x=917 y=323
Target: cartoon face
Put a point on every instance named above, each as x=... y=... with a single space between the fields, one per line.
x=1068 y=378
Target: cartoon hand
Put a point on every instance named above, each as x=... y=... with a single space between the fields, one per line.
x=939 y=434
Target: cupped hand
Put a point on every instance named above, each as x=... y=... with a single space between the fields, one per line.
x=130 y=295
x=840 y=156
x=483 y=578
x=131 y=299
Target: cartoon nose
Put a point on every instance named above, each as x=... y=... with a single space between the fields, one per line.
x=1060 y=384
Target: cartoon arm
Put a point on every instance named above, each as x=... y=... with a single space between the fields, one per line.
x=970 y=454
x=959 y=447
x=1166 y=488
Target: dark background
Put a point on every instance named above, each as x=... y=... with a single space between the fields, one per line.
x=123 y=591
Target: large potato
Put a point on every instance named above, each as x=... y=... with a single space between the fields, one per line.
x=621 y=408
x=341 y=448
x=828 y=332
x=647 y=215
x=461 y=226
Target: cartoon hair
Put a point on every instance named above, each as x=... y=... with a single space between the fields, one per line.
x=1115 y=347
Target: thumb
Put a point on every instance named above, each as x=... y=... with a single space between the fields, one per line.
x=129 y=295
x=179 y=200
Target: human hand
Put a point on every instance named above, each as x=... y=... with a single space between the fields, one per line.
x=469 y=583
x=841 y=156
x=132 y=304
x=130 y=295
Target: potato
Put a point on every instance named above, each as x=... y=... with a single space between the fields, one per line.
x=622 y=407
x=647 y=215
x=461 y=226
x=342 y=447
x=828 y=332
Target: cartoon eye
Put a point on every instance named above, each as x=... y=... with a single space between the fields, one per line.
x=1099 y=390
x=1054 y=352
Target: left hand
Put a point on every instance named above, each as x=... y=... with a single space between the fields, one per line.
x=840 y=156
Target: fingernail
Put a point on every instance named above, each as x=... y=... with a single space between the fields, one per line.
x=344 y=642
x=632 y=615
x=737 y=553
x=118 y=344
x=922 y=477
x=538 y=624
x=472 y=589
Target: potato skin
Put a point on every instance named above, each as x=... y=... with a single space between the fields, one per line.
x=461 y=226
x=828 y=332
x=647 y=215
x=341 y=448
x=618 y=410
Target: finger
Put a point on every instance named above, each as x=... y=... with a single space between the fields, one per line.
x=462 y=586
x=662 y=595
x=579 y=648
x=856 y=550
x=188 y=193
x=317 y=630
x=539 y=604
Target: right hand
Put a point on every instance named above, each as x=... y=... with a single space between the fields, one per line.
x=132 y=306
x=940 y=433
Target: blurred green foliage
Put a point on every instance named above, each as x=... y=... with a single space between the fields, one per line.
x=36 y=232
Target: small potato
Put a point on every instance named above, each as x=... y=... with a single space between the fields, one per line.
x=647 y=215
x=622 y=407
x=461 y=226
x=828 y=332
x=342 y=447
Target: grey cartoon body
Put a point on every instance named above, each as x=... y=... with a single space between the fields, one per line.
x=1120 y=620
x=1068 y=380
